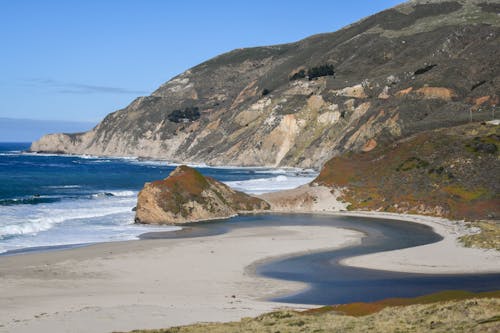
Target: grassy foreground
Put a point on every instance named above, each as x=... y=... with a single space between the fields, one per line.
x=455 y=311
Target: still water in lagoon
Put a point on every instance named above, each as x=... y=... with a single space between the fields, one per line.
x=332 y=283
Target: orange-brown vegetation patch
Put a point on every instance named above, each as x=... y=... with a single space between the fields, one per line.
x=481 y=100
x=365 y=308
x=369 y=145
x=403 y=92
x=450 y=172
x=184 y=184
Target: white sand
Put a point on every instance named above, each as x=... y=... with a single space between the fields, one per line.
x=444 y=257
x=162 y=283
x=154 y=283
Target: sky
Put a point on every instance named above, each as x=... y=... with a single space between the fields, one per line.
x=80 y=60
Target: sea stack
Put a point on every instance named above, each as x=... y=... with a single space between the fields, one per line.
x=188 y=196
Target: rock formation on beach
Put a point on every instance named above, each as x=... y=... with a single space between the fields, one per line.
x=421 y=65
x=187 y=196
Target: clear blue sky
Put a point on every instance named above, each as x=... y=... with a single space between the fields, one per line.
x=80 y=60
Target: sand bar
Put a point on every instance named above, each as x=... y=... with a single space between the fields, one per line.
x=153 y=283
x=447 y=256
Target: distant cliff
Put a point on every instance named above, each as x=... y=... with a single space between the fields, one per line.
x=419 y=66
x=187 y=196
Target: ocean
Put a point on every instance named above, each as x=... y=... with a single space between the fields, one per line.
x=54 y=200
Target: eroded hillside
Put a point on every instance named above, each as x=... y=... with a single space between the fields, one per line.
x=419 y=66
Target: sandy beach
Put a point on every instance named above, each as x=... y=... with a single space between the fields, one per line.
x=167 y=282
x=153 y=283
x=447 y=256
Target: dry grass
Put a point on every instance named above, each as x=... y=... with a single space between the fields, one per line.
x=488 y=238
x=433 y=173
x=467 y=312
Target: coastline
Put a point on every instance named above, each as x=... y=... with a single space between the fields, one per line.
x=447 y=256
x=154 y=283
x=166 y=282
x=168 y=162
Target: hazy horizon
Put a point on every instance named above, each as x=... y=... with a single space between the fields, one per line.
x=29 y=130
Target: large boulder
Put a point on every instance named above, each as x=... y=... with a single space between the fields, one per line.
x=188 y=196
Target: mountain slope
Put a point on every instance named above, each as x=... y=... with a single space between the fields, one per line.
x=452 y=172
x=418 y=66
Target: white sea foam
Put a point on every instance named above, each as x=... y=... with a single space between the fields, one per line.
x=36 y=224
x=265 y=185
x=108 y=215
x=64 y=186
x=123 y=193
x=108 y=218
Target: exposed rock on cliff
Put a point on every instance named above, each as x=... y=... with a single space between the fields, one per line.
x=419 y=66
x=187 y=196
x=309 y=198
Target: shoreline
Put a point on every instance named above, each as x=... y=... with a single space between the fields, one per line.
x=168 y=162
x=167 y=282
x=431 y=258
x=154 y=283
x=447 y=256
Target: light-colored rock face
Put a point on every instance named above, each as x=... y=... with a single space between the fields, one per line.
x=436 y=93
x=187 y=196
x=356 y=91
x=245 y=108
x=310 y=198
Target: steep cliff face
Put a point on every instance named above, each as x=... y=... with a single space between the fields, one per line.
x=418 y=66
x=187 y=196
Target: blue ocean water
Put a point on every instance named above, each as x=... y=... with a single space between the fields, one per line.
x=48 y=200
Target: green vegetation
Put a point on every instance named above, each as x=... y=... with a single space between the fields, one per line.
x=488 y=237
x=181 y=187
x=319 y=71
x=445 y=172
x=486 y=144
x=187 y=185
x=186 y=115
x=454 y=311
x=462 y=193
x=314 y=72
x=299 y=75
x=412 y=163
x=424 y=69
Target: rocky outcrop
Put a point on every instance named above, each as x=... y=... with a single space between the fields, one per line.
x=421 y=65
x=187 y=196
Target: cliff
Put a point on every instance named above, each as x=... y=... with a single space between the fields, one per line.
x=187 y=196
x=419 y=66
